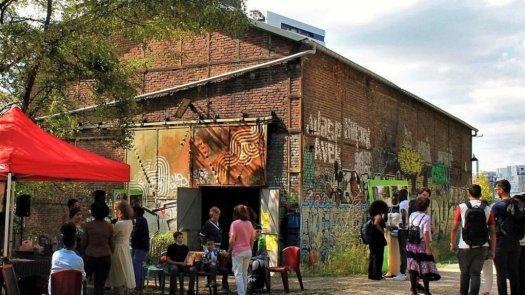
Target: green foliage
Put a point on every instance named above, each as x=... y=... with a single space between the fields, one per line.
x=441 y=251
x=47 y=48
x=487 y=192
x=58 y=192
x=347 y=261
x=158 y=243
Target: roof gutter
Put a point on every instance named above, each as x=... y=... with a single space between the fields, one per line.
x=195 y=83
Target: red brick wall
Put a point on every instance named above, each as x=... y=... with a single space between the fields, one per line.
x=338 y=93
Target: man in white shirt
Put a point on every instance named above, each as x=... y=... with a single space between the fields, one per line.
x=66 y=258
x=472 y=250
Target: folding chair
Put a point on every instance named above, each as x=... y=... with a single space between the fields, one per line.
x=10 y=280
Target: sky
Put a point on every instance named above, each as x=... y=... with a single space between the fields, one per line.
x=466 y=57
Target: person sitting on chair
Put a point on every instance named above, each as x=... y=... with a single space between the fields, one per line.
x=258 y=262
x=210 y=262
x=176 y=256
x=66 y=258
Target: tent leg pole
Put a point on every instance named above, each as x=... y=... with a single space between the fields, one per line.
x=7 y=210
x=11 y=221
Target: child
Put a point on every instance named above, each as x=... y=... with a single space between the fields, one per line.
x=210 y=262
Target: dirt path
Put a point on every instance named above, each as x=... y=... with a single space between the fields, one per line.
x=449 y=284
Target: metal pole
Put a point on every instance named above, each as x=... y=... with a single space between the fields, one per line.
x=7 y=210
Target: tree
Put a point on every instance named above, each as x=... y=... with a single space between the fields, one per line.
x=49 y=46
x=487 y=192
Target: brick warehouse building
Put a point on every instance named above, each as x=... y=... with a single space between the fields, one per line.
x=282 y=124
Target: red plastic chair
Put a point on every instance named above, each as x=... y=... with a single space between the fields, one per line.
x=66 y=282
x=10 y=280
x=291 y=262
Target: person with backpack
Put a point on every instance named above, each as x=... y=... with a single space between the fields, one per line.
x=507 y=242
x=412 y=207
x=477 y=229
x=377 y=211
x=420 y=260
x=522 y=255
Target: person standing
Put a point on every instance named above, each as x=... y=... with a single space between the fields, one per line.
x=478 y=228
x=71 y=203
x=121 y=276
x=522 y=256
x=420 y=261
x=98 y=245
x=240 y=246
x=211 y=230
x=77 y=218
x=139 y=245
x=391 y=235
x=377 y=245
x=402 y=234
x=507 y=246
x=488 y=265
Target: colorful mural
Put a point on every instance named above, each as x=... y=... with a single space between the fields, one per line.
x=229 y=155
x=159 y=161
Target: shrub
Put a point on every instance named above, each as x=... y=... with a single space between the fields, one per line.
x=158 y=243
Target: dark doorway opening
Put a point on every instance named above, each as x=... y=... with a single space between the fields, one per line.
x=225 y=199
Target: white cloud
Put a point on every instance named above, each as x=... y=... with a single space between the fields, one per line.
x=498 y=2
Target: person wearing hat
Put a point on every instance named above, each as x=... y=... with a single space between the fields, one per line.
x=259 y=260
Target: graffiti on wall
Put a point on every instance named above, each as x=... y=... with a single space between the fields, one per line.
x=410 y=161
x=330 y=194
x=229 y=155
x=329 y=133
x=326 y=225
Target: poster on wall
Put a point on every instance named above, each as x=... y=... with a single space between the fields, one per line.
x=229 y=155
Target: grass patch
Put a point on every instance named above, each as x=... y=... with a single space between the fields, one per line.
x=350 y=261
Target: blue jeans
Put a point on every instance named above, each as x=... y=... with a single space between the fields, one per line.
x=470 y=264
x=138 y=260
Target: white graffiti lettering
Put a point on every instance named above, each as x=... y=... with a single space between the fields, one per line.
x=327 y=152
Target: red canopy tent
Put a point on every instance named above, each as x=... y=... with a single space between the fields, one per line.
x=29 y=153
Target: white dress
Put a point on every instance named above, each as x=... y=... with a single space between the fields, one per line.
x=121 y=271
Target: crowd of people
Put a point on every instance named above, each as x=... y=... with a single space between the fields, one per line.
x=100 y=249
x=481 y=236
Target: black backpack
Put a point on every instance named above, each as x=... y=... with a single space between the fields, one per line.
x=512 y=225
x=366 y=231
x=413 y=236
x=474 y=230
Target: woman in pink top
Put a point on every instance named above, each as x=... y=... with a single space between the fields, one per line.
x=242 y=235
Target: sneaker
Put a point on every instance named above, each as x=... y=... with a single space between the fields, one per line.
x=400 y=277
